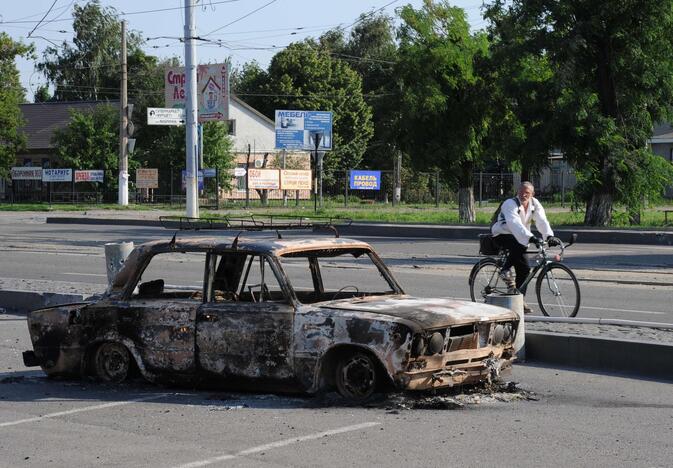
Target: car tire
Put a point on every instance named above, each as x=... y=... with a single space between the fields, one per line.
x=357 y=376
x=111 y=362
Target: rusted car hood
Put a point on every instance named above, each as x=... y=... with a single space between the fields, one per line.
x=426 y=312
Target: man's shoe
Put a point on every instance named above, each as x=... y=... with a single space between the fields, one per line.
x=506 y=277
x=527 y=309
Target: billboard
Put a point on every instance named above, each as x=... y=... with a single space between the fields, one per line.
x=56 y=175
x=26 y=173
x=94 y=175
x=365 y=180
x=212 y=90
x=147 y=178
x=264 y=179
x=292 y=179
x=298 y=130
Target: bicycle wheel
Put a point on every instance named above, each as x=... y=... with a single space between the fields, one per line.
x=558 y=292
x=484 y=279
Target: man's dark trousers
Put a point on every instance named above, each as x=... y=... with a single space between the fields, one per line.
x=515 y=258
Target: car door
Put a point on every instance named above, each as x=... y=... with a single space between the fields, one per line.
x=244 y=330
x=159 y=313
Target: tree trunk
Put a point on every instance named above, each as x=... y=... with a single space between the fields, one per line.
x=599 y=209
x=466 y=209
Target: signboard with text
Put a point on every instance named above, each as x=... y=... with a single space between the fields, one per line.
x=299 y=130
x=147 y=178
x=212 y=90
x=56 y=175
x=93 y=175
x=165 y=116
x=184 y=177
x=26 y=173
x=292 y=179
x=264 y=179
x=365 y=180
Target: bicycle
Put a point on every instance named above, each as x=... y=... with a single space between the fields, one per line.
x=556 y=288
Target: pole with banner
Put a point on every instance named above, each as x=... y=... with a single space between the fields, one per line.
x=192 y=202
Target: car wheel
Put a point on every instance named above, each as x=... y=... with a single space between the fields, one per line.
x=356 y=376
x=112 y=362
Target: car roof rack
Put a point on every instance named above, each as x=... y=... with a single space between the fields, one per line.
x=251 y=222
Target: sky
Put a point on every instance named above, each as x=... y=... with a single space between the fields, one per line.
x=242 y=30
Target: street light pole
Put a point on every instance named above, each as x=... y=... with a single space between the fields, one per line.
x=123 y=189
x=192 y=208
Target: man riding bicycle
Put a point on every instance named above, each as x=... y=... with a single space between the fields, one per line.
x=511 y=231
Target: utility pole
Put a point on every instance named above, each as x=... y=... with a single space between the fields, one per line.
x=191 y=175
x=123 y=195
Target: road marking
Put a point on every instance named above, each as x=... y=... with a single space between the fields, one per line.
x=278 y=444
x=81 y=410
x=623 y=310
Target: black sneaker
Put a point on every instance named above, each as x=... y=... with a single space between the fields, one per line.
x=527 y=309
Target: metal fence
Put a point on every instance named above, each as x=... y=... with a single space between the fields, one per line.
x=555 y=183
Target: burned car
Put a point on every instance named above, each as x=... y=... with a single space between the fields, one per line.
x=256 y=311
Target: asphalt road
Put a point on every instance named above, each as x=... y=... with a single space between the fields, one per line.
x=633 y=282
x=555 y=416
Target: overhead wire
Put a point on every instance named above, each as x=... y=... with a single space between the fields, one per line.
x=41 y=20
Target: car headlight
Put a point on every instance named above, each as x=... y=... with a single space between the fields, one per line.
x=436 y=343
x=418 y=346
x=498 y=334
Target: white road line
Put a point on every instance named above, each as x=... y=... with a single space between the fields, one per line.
x=280 y=443
x=622 y=310
x=81 y=410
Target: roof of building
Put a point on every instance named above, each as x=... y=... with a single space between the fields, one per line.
x=252 y=109
x=44 y=117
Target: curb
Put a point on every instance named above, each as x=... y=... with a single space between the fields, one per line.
x=25 y=301
x=643 y=358
x=456 y=232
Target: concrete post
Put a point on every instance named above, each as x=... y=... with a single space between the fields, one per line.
x=115 y=254
x=513 y=302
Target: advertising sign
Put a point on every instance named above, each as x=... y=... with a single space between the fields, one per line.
x=291 y=179
x=200 y=182
x=365 y=180
x=298 y=130
x=212 y=90
x=264 y=179
x=26 y=173
x=165 y=116
x=56 y=175
x=147 y=178
x=95 y=175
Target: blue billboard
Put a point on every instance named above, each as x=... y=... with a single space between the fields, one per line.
x=299 y=130
x=365 y=180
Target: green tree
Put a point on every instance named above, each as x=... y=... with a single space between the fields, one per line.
x=304 y=76
x=611 y=81
x=88 y=69
x=444 y=109
x=12 y=140
x=90 y=141
x=371 y=51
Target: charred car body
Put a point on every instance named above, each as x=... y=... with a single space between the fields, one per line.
x=277 y=314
